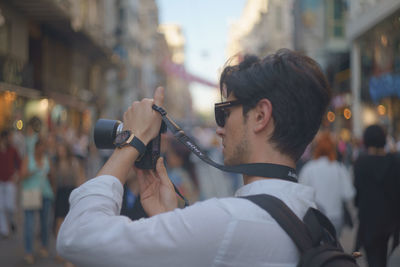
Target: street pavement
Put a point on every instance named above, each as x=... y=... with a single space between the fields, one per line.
x=347 y=239
x=11 y=249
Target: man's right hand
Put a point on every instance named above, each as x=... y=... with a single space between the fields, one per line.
x=142 y=120
x=156 y=191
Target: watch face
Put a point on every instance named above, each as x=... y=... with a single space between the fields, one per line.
x=121 y=138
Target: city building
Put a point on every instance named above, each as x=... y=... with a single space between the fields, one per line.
x=264 y=27
x=178 y=100
x=53 y=60
x=373 y=30
x=137 y=47
x=73 y=61
x=320 y=32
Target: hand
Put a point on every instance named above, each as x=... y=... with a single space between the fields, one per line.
x=156 y=191
x=142 y=120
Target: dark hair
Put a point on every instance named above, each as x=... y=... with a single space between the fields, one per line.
x=35 y=123
x=295 y=86
x=374 y=136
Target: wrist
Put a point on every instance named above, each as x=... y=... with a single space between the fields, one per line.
x=142 y=138
x=139 y=134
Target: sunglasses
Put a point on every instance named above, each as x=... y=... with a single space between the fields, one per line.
x=221 y=112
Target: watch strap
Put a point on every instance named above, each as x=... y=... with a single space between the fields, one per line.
x=139 y=145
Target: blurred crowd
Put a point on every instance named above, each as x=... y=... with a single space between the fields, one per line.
x=39 y=171
x=364 y=173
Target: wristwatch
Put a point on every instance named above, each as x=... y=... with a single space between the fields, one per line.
x=125 y=138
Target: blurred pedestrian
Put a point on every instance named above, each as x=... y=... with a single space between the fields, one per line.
x=131 y=206
x=68 y=174
x=330 y=179
x=180 y=170
x=376 y=175
x=33 y=128
x=37 y=197
x=10 y=163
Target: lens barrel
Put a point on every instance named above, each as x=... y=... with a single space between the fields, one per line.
x=105 y=132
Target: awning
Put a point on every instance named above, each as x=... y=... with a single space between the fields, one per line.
x=21 y=91
x=56 y=15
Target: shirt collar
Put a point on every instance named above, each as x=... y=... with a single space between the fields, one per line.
x=277 y=188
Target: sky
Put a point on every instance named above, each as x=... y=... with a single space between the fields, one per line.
x=205 y=25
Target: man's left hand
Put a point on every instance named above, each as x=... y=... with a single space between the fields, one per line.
x=157 y=193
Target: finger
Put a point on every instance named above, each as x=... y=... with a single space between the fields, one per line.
x=162 y=171
x=159 y=96
x=141 y=180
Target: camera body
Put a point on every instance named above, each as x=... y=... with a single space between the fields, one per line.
x=106 y=130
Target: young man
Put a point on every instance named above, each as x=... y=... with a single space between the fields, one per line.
x=275 y=108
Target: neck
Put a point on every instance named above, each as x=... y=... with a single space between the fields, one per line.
x=273 y=157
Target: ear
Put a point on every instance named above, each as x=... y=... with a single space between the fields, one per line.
x=263 y=115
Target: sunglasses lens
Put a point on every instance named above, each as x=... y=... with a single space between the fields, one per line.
x=220 y=117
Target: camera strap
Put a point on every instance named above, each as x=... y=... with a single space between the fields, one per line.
x=252 y=169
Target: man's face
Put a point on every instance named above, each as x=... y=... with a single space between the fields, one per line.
x=234 y=135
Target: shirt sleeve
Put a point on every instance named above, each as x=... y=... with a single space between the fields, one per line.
x=94 y=234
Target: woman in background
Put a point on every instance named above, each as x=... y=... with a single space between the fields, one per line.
x=34 y=173
x=329 y=178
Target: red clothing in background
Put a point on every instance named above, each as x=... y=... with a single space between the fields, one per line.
x=10 y=162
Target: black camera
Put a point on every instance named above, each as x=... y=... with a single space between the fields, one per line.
x=105 y=132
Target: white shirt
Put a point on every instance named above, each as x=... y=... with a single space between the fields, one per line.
x=216 y=232
x=332 y=183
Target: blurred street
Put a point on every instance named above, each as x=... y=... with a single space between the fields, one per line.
x=347 y=241
x=12 y=251
x=66 y=64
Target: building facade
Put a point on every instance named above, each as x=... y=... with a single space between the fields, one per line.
x=320 y=32
x=264 y=27
x=53 y=58
x=72 y=62
x=374 y=33
x=178 y=99
x=137 y=44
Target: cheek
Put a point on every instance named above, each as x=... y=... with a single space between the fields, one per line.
x=230 y=137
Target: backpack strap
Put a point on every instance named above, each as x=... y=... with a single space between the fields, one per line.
x=285 y=217
x=320 y=228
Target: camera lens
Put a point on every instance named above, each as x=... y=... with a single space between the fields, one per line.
x=105 y=132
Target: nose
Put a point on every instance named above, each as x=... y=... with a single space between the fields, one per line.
x=220 y=131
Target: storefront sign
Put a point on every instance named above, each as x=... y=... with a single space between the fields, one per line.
x=384 y=86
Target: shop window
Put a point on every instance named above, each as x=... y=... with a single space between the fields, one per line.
x=278 y=18
x=335 y=16
x=4 y=34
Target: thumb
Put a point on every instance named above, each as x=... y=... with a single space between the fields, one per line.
x=159 y=96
